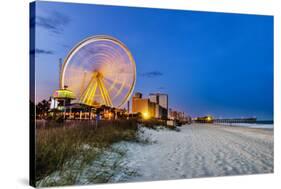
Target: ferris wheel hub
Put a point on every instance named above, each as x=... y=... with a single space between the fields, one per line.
x=97 y=74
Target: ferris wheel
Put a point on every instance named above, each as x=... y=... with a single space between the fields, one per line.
x=99 y=70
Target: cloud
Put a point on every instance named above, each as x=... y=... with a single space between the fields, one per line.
x=41 y=51
x=152 y=74
x=55 y=22
x=161 y=88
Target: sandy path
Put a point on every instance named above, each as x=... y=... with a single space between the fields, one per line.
x=198 y=151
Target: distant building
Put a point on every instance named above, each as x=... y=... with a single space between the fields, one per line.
x=174 y=115
x=180 y=116
x=143 y=106
x=154 y=98
x=159 y=98
x=161 y=107
x=138 y=95
x=163 y=101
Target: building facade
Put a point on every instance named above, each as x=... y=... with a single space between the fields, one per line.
x=161 y=101
x=143 y=106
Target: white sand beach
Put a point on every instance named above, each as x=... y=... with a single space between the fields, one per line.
x=198 y=150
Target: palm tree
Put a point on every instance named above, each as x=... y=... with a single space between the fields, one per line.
x=42 y=108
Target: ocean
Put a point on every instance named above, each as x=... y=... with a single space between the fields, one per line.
x=258 y=124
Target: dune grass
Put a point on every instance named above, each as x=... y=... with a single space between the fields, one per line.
x=68 y=147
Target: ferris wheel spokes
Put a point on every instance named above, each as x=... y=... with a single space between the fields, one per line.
x=101 y=71
x=89 y=94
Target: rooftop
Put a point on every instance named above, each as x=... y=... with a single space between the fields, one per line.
x=63 y=94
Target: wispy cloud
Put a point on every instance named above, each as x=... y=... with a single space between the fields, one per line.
x=55 y=22
x=152 y=74
x=41 y=51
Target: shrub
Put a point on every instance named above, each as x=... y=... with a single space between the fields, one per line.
x=76 y=143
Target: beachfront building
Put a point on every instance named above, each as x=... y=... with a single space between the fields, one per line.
x=64 y=106
x=160 y=112
x=161 y=104
x=179 y=116
x=143 y=106
x=175 y=115
x=61 y=98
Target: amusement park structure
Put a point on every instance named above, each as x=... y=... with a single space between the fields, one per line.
x=97 y=78
x=89 y=93
x=99 y=71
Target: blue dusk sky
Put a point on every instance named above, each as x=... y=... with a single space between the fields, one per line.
x=208 y=63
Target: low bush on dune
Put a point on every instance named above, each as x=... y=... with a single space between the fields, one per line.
x=153 y=123
x=75 y=144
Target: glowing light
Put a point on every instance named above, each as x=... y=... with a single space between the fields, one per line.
x=100 y=70
x=64 y=93
x=145 y=115
x=109 y=115
x=209 y=118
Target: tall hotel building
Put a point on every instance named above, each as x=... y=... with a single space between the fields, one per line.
x=161 y=104
x=142 y=105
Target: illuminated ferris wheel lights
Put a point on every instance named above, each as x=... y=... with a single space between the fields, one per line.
x=100 y=70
